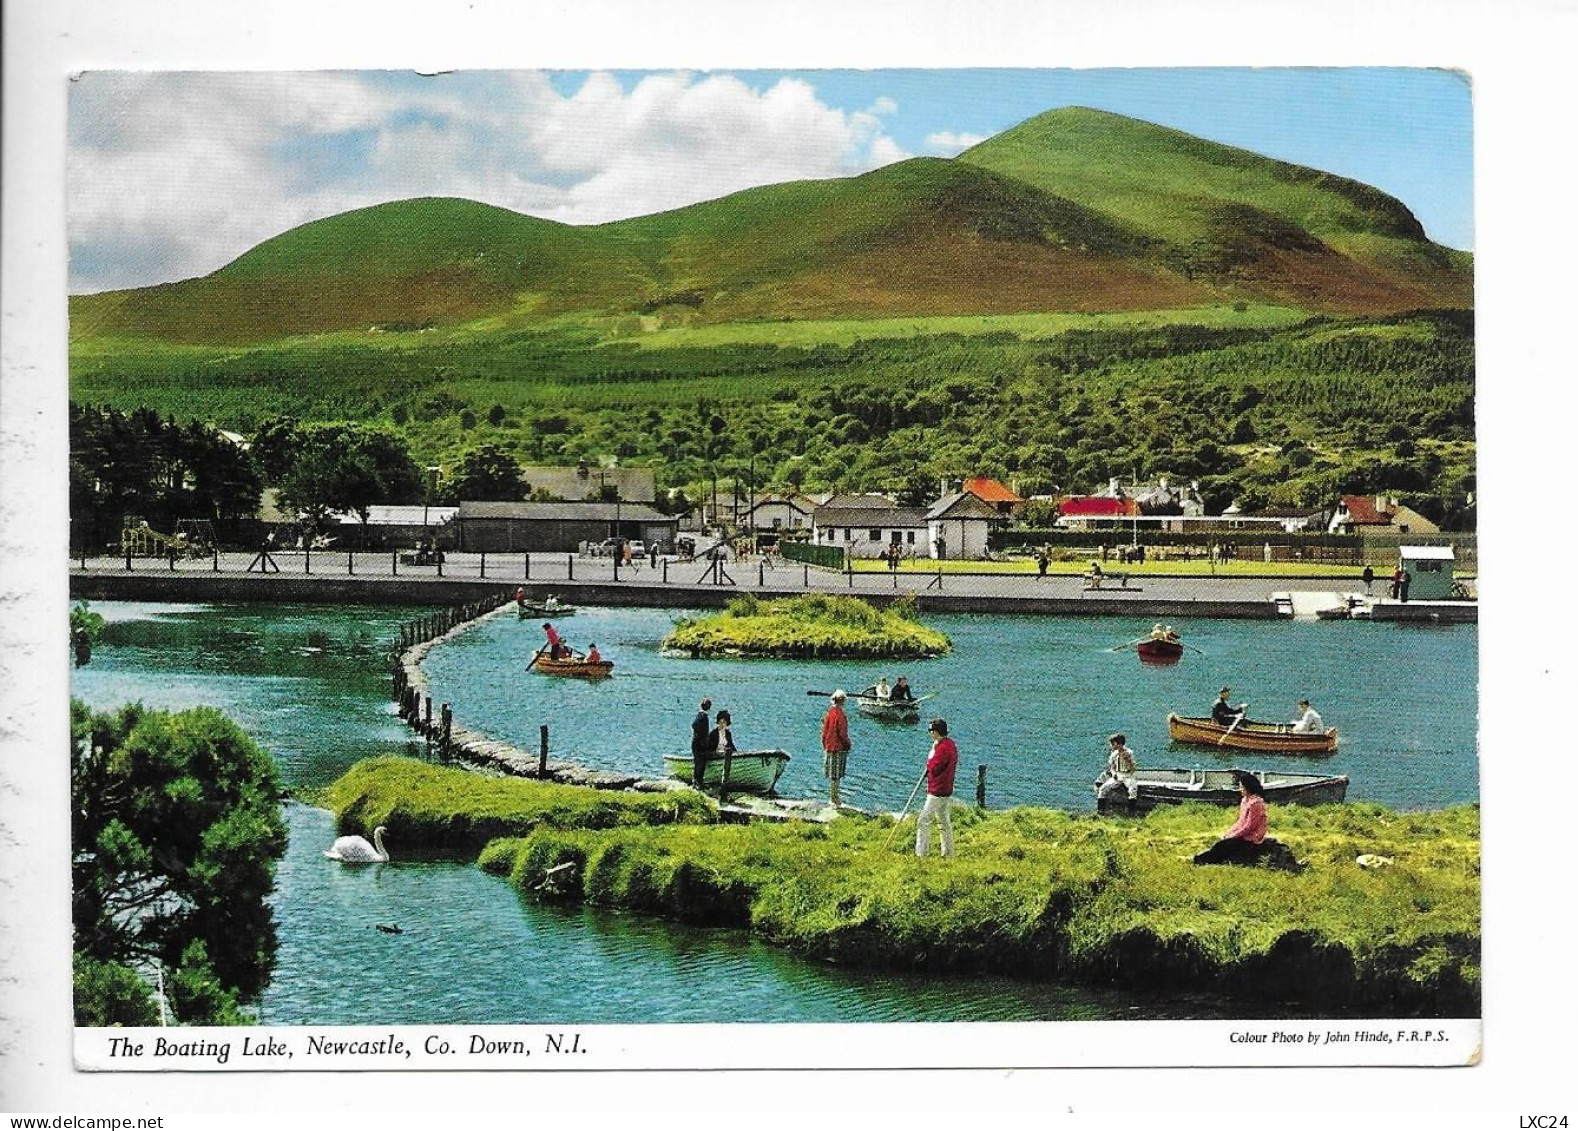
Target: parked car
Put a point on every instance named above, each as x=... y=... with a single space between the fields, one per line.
x=638 y=548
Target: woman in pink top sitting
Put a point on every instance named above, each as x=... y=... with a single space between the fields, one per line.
x=1241 y=843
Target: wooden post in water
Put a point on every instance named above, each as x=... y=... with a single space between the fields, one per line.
x=427 y=724
x=448 y=717
x=980 y=787
x=542 y=753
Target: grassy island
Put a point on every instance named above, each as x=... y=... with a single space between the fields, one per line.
x=1032 y=893
x=810 y=627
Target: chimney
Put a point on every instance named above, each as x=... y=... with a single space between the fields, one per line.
x=1380 y=504
x=1113 y=489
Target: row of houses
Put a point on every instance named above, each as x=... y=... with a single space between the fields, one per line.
x=594 y=504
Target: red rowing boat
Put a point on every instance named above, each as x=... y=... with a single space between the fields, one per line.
x=1160 y=651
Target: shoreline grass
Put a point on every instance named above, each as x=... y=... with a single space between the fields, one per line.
x=1033 y=893
x=814 y=626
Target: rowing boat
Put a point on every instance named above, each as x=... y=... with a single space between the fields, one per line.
x=749 y=771
x=1264 y=738
x=585 y=669
x=549 y=612
x=904 y=710
x=1220 y=787
x=1163 y=651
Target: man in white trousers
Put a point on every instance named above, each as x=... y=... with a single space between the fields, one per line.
x=940 y=766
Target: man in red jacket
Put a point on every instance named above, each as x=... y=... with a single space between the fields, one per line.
x=835 y=745
x=940 y=765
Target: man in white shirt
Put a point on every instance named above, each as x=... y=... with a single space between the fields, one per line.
x=1309 y=722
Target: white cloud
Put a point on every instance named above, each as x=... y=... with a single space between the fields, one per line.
x=946 y=143
x=172 y=175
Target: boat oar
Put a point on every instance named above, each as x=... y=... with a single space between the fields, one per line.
x=905 y=811
x=1192 y=648
x=535 y=657
x=1243 y=713
x=823 y=694
x=1130 y=644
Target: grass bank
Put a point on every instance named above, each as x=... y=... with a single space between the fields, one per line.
x=1032 y=893
x=438 y=808
x=814 y=626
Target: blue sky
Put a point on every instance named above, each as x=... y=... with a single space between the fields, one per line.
x=173 y=174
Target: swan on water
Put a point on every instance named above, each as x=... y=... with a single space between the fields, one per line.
x=356 y=850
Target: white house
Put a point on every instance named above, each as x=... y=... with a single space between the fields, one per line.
x=864 y=526
x=957 y=526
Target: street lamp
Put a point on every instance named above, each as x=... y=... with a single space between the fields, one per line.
x=433 y=473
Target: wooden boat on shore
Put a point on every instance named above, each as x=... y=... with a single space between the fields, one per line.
x=749 y=771
x=572 y=666
x=890 y=710
x=1220 y=787
x=1263 y=738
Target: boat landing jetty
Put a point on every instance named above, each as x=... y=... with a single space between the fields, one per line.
x=370 y=578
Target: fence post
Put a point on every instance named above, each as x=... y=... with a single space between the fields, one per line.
x=761 y=574
x=394 y=564
x=482 y=568
x=172 y=557
x=569 y=566
x=665 y=571
x=216 y=560
x=350 y=562
x=542 y=753
x=526 y=566
x=308 y=567
x=805 y=575
x=128 y=556
x=980 y=787
x=616 y=565
x=440 y=554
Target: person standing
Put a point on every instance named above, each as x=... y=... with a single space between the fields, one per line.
x=1404 y=580
x=1041 y=565
x=1369 y=578
x=940 y=766
x=700 y=732
x=1241 y=843
x=520 y=601
x=554 y=643
x=835 y=745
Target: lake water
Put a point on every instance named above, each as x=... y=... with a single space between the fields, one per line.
x=1029 y=697
x=1032 y=698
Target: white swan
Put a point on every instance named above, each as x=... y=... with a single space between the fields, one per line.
x=356 y=850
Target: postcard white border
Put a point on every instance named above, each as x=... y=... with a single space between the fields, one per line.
x=1518 y=55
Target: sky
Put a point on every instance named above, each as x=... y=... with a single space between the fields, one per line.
x=173 y=174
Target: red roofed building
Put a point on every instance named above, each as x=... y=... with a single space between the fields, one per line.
x=993 y=494
x=1378 y=514
x=1097 y=506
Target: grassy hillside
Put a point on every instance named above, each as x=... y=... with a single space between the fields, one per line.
x=1072 y=211
x=1289 y=232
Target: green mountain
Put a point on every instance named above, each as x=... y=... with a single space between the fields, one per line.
x=1074 y=210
